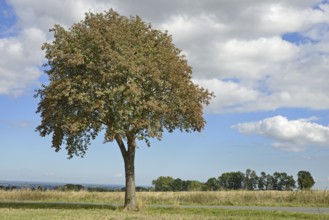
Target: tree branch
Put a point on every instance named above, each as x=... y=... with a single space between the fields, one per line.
x=121 y=145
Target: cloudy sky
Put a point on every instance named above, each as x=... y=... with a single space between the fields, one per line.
x=266 y=61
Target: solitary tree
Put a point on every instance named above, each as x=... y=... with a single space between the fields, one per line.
x=305 y=180
x=116 y=74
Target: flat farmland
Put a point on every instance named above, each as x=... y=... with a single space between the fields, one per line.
x=28 y=204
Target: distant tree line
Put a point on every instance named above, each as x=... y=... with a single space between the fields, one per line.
x=70 y=187
x=73 y=187
x=238 y=181
x=66 y=187
x=78 y=187
x=226 y=181
x=8 y=188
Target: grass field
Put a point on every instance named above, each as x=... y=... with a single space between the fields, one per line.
x=8 y=209
x=243 y=198
x=152 y=213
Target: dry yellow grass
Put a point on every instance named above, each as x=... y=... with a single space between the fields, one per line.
x=58 y=196
x=258 y=198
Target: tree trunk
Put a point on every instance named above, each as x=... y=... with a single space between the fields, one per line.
x=130 y=194
x=128 y=155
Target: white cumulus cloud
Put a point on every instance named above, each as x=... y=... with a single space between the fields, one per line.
x=21 y=56
x=223 y=40
x=229 y=94
x=290 y=135
x=20 y=61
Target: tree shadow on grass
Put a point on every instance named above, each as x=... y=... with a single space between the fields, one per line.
x=55 y=205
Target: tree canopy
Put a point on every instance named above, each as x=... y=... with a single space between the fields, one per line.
x=113 y=73
x=116 y=74
x=305 y=180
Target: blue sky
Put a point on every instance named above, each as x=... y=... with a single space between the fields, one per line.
x=267 y=63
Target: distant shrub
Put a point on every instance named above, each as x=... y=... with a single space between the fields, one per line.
x=98 y=189
x=70 y=187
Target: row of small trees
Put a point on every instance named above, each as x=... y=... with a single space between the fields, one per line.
x=238 y=181
x=66 y=187
x=8 y=188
